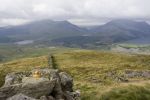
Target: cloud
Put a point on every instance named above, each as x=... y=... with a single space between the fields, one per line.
x=40 y=8
x=5 y=22
x=77 y=11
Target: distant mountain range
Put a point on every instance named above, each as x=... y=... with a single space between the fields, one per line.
x=65 y=33
x=123 y=29
x=40 y=30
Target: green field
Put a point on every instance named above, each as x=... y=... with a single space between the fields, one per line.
x=10 y=52
x=90 y=70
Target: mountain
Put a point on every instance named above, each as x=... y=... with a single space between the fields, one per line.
x=41 y=30
x=65 y=33
x=112 y=32
x=122 y=30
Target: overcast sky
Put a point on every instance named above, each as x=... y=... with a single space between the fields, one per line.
x=81 y=12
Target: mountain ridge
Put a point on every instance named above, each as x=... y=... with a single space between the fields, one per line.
x=43 y=28
x=120 y=30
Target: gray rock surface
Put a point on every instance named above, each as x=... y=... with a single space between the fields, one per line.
x=50 y=85
x=20 y=97
x=35 y=90
x=66 y=81
x=135 y=74
x=128 y=74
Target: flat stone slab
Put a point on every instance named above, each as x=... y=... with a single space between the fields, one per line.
x=32 y=80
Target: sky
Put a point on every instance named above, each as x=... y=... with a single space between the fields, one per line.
x=80 y=12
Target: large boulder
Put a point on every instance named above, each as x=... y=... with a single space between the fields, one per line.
x=35 y=90
x=48 y=84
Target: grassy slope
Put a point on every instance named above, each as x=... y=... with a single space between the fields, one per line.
x=130 y=92
x=88 y=68
x=96 y=64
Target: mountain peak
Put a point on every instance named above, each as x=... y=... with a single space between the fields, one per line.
x=126 y=22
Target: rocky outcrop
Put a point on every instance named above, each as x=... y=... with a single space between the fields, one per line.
x=126 y=75
x=136 y=74
x=46 y=84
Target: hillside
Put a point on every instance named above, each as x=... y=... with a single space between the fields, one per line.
x=94 y=71
x=42 y=30
x=115 y=31
x=67 y=34
x=123 y=27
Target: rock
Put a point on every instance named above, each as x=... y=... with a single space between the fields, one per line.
x=48 y=98
x=20 y=97
x=51 y=98
x=49 y=85
x=135 y=74
x=9 y=79
x=68 y=95
x=43 y=98
x=32 y=90
x=77 y=95
x=57 y=91
x=66 y=81
x=15 y=78
x=53 y=74
x=12 y=78
x=31 y=80
x=72 y=95
x=48 y=73
x=38 y=89
x=146 y=74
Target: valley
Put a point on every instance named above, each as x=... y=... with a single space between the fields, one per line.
x=64 y=33
x=112 y=66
